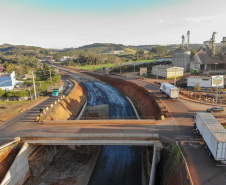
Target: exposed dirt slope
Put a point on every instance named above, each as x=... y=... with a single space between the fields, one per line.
x=70 y=107
x=144 y=102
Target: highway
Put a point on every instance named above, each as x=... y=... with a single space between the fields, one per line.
x=179 y=127
x=119 y=165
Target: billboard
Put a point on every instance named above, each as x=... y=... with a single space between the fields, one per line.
x=218 y=81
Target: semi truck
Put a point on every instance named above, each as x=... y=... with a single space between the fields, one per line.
x=57 y=91
x=170 y=90
x=213 y=134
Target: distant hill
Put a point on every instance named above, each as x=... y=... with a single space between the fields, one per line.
x=8 y=49
x=104 y=45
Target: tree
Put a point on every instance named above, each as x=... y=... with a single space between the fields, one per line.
x=117 y=61
x=2 y=92
x=10 y=68
x=162 y=50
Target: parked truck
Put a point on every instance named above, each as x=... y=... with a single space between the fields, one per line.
x=213 y=133
x=57 y=91
x=170 y=90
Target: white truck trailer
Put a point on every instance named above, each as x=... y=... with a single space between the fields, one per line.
x=170 y=90
x=213 y=133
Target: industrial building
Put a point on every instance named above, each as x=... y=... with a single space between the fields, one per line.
x=7 y=81
x=200 y=81
x=206 y=60
x=181 y=58
x=167 y=71
x=202 y=61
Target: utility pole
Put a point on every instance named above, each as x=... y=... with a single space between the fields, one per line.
x=30 y=90
x=34 y=85
x=216 y=94
x=175 y=78
x=50 y=76
x=157 y=73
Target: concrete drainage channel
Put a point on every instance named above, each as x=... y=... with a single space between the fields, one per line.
x=36 y=160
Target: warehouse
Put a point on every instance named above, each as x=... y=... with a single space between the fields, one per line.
x=167 y=71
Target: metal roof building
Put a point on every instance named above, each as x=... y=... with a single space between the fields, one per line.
x=7 y=81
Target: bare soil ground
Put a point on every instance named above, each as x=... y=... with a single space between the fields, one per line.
x=10 y=109
x=71 y=165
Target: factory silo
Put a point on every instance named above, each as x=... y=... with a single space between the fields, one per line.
x=181 y=58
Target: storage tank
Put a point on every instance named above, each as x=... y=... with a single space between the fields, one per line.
x=181 y=58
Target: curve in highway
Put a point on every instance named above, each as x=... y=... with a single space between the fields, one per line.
x=116 y=165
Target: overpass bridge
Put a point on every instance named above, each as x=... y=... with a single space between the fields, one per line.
x=113 y=138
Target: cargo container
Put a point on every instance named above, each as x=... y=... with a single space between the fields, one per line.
x=170 y=90
x=57 y=91
x=213 y=133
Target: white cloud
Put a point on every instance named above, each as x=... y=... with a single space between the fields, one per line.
x=199 y=19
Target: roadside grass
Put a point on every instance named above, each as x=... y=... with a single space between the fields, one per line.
x=150 y=60
x=95 y=67
x=111 y=65
x=169 y=165
x=15 y=102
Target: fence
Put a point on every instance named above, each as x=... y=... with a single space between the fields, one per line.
x=158 y=80
x=201 y=97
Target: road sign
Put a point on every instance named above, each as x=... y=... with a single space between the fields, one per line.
x=217 y=81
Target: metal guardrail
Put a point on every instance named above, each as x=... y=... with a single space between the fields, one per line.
x=186 y=165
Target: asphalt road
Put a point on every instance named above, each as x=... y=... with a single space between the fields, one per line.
x=25 y=119
x=116 y=165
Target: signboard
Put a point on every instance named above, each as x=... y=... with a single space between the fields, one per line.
x=217 y=81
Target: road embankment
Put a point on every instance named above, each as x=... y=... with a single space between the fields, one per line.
x=70 y=107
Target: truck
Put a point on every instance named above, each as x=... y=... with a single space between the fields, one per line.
x=170 y=90
x=213 y=134
x=57 y=91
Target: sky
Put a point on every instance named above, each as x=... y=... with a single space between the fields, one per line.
x=74 y=23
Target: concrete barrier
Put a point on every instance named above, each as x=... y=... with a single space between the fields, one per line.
x=101 y=122
x=134 y=108
x=82 y=111
x=19 y=168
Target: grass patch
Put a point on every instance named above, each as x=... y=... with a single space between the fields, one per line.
x=169 y=165
x=95 y=67
x=150 y=60
x=15 y=102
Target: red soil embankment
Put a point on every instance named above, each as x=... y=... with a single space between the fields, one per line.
x=142 y=99
x=70 y=107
